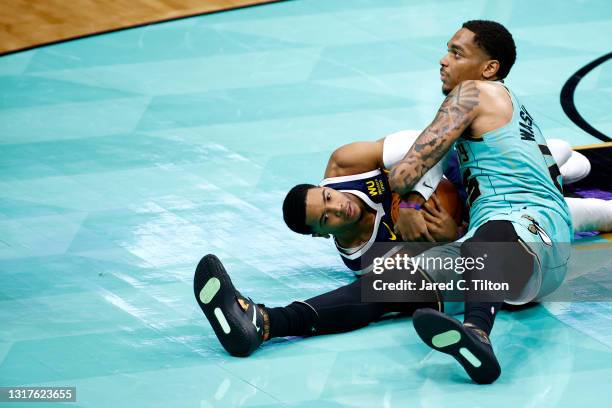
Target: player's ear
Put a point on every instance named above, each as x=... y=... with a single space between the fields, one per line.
x=491 y=69
x=317 y=235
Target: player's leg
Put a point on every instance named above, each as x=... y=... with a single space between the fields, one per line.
x=241 y=325
x=338 y=311
x=469 y=342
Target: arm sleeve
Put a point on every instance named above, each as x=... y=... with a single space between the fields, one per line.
x=590 y=214
x=560 y=150
x=573 y=165
x=395 y=147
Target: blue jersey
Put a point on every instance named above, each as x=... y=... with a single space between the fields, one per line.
x=511 y=169
x=373 y=189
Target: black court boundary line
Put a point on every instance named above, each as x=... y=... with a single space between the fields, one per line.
x=567 y=98
x=138 y=25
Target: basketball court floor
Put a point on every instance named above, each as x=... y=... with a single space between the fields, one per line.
x=126 y=157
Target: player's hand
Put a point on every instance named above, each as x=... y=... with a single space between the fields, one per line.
x=439 y=222
x=411 y=226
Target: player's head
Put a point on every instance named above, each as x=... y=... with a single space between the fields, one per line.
x=320 y=211
x=480 y=50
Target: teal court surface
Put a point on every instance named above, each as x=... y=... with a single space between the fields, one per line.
x=126 y=157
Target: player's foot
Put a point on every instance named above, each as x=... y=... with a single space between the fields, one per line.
x=240 y=324
x=469 y=345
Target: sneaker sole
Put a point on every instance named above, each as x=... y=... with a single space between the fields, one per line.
x=449 y=336
x=216 y=296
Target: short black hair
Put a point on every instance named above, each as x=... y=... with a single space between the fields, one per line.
x=496 y=41
x=294 y=209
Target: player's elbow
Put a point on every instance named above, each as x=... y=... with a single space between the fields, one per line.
x=336 y=156
x=335 y=161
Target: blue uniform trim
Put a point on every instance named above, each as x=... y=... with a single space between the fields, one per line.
x=373 y=189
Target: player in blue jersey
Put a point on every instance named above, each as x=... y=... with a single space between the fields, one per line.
x=356 y=187
x=355 y=206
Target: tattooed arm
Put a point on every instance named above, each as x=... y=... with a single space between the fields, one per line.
x=457 y=112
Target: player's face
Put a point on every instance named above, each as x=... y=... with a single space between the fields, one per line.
x=463 y=60
x=329 y=211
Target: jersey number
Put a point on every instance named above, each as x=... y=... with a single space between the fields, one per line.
x=463 y=155
x=470 y=183
x=471 y=186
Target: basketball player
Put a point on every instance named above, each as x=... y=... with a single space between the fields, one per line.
x=513 y=185
x=241 y=325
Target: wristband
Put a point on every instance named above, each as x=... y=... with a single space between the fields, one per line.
x=404 y=204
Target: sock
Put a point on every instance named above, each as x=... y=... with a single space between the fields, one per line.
x=297 y=319
x=481 y=314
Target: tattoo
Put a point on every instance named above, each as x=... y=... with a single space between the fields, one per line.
x=453 y=117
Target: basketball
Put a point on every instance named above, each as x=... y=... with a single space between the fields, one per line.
x=449 y=199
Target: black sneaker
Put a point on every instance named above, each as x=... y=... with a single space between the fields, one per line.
x=237 y=321
x=469 y=345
